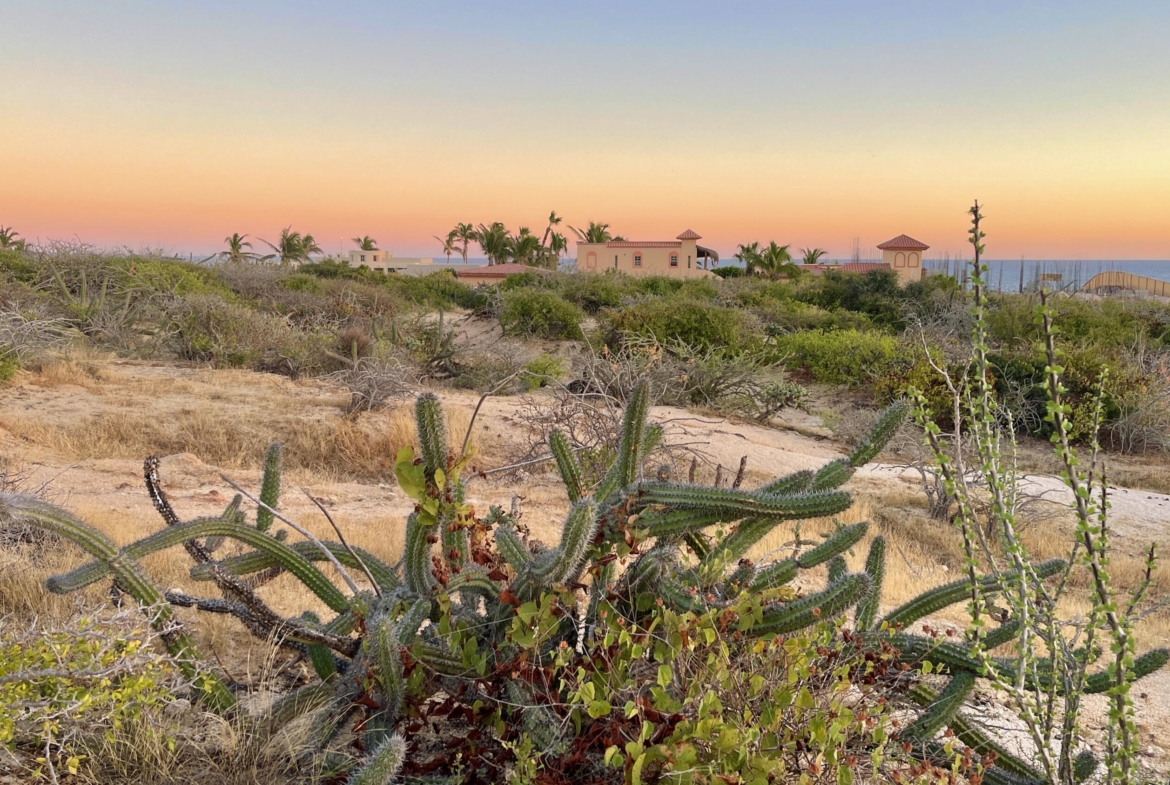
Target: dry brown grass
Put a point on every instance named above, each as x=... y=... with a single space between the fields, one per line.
x=331 y=447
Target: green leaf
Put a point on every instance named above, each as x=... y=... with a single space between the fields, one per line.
x=599 y=709
x=411 y=477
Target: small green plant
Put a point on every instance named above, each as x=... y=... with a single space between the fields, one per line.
x=842 y=356
x=541 y=370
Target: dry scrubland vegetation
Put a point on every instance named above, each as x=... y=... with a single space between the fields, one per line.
x=107 y=359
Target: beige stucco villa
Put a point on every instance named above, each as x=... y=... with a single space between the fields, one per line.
x=904 y=256
x=682 y=257
x=386 y=262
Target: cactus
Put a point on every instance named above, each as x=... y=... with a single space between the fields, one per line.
x=471 y=587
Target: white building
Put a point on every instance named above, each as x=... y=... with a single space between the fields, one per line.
x=387 y=262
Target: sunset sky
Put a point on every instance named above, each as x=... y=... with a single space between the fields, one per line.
x=176 y=123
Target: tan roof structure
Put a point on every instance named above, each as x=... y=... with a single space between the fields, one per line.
x=903 y=242
x=689 y=234
x=847 y=267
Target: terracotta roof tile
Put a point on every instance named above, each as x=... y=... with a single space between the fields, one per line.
x=689 y=235
x=903 y=242
x=643 y=244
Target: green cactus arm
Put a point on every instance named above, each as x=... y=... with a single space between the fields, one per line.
x=1002 y=634
x=320 y=656
x=797 y=482
x=438 y=658
x=432 y=432
x=832 y=475
x=681 y=596
x=698 y=543
x=881 y=433
x=416 y=557
x=941 y=710
x=382 y=648
x=206 y=527
x=406 y=626
x=383 y=764
x=269 y=487
x=875 y=568
x=971 y=735
x=933 y=601
x=511 y=547
x=567 y=465
x=1143 y=666
x=741 y=577
x=775 y=574
x=25 y=510
x=838 y=569
x=702 y=497
x=473 y=580
x=256 y=561
x=751 y=530
x=652 y=436
x=624 y=470
x=455 y=542
x=578 y=534
x=840 y=541
x=807 y=611
x=675 y=523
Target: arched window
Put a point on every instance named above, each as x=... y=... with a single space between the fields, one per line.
x=674 y=260
x=591 y=261
x=899 y=259
x=912 y=261
x=637 y=260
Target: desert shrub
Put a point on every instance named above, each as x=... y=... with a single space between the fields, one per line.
x=484 y=371
x=875 y=294
x=743 y=383
x=205 y=328
x=592 y=292
x=9 y=364
x=729 y=271
x=683 y=320
x=18 y=266
x=301 y=282
x=374 y=383
x=436 y=290
x=539 y=314
x=787 y=316
x=541 y=370
x=64 y=688
x=842 y=356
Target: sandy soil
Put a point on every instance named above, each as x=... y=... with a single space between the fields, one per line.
x=37 y=413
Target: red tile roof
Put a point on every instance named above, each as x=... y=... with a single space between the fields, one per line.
x=688 y=235
x=903 y=242
x=498 y=270
x=847 y=267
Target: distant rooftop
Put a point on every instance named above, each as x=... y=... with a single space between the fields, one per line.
x=498 y=270
x=689 y=234
x=903 y=242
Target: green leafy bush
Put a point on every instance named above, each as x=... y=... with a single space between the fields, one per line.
x=539 y=371
x=842 y=356
x=689 y=321
x=539 y=314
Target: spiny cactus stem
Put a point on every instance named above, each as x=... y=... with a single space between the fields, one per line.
x=269 y=487
x=303 y=532
x=262 y=562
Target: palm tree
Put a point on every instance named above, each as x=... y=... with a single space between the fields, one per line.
x=10 y=238
x=236 y=244
x=365 y=243
x=812 y=255
x=495 y=242
x=524 y=246
x=291 y=247
x=596 y=233
x=553 y=220
x=773 y=262
x=448 y=245
x=558 y=246
x=465 y=233
x=748 y=254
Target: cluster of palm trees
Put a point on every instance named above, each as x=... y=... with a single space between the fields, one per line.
x=775 y=261
x=501 y=246
x=11 y=239
x=292 y=247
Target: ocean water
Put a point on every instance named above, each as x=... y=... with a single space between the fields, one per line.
x=1005 y=274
